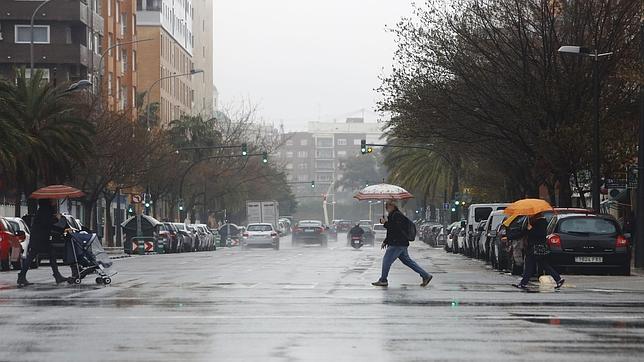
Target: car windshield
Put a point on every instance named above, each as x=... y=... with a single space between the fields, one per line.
x=587 y=225
x=379 y=227
x=482 y=213
x=259 y=228
x=310 y=224
x=181 y=227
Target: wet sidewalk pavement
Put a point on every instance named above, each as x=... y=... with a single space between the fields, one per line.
x=309 y=304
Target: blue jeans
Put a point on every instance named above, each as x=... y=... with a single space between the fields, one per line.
x=399 y=252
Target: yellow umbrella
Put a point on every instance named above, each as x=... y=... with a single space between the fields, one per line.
x=509 y=220
x=527 y=207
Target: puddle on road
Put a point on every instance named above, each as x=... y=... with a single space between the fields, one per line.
x=586 y=323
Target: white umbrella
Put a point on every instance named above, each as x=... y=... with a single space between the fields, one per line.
x=383 y=192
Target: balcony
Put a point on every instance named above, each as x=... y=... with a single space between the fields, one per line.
x=58 y=10
x=51 y=54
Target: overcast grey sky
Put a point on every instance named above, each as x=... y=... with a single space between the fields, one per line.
x=303 y=60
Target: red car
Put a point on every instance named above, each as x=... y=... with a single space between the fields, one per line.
x=9 y=238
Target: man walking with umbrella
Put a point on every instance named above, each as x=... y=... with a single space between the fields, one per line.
x=397 y=242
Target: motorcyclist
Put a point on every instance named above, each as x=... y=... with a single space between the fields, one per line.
x=357 y=230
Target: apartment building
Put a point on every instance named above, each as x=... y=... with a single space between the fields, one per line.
x=204 y=99
x=167 y=56
x=67 y=38
x=315 y=155
x=119 y=82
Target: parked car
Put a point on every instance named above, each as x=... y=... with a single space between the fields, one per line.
x=365 y=222
x=424 y=232
x=207 y=240
x=380 y=233
x=187 y=239
x=511 y=254
x=260 y=235
x=309 y=232
x=19 y=251
x=451 y=232
x=488 y=231
x=9 y=239
x=583 y=241
x=173 y=240
x=477 y=213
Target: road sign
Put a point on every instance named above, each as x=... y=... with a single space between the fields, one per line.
x=136 y=199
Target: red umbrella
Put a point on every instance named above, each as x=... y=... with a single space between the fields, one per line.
x=57 y=192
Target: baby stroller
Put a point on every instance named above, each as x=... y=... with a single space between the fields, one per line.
x=86 y=256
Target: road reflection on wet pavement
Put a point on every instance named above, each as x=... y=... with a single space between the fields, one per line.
x=314 y=304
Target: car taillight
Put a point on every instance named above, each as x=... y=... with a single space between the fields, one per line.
x=297 y=230
x=320 y=230
x=245 y=235
x=554 y=240
x=621 y=242
x=274 y=234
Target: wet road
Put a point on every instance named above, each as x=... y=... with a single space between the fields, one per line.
x=313 y=304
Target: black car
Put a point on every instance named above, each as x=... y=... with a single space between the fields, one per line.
x=587 y=241
x=309 y=232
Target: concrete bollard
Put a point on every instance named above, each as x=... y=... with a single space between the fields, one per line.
x=141 y=247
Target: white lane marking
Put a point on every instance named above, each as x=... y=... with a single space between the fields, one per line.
x=300 y=286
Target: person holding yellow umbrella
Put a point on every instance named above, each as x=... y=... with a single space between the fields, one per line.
x=536 y=250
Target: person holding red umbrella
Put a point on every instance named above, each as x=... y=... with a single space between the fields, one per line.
x=40 y=242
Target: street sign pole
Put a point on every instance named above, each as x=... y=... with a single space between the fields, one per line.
x=639 y=222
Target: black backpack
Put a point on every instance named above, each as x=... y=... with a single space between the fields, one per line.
x=408 y=228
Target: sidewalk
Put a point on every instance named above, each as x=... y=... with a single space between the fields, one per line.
x=116 y=252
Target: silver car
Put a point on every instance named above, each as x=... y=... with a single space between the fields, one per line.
x=260 y=235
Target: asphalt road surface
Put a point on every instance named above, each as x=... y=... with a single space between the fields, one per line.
x=314 y=304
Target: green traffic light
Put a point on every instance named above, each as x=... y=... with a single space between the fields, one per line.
x=312 y=184
x=363 y=147
x=244 y=149
x=265 y=157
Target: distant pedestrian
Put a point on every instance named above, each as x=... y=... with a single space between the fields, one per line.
x=396 y=242
x=40 y=241
x=536 y=241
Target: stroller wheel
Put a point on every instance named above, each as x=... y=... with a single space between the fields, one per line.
x=99 y=280
x=107 y=281
x=77 y=281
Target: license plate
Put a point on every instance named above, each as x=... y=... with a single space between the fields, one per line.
x=589 y=259
x=308 y=231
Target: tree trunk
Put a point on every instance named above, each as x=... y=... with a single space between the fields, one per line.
x=565 y=192
x=109 y=235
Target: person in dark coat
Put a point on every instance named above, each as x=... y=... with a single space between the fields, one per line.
x=396 y=244
x=537 y=233
x=40 y=241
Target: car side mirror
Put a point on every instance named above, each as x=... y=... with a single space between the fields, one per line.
x=20 y=233
x=628 y=236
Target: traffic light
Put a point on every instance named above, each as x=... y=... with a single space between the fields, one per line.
x=312 y=184
x=146 y=200
x=264 y=157
x=369 y=150
x=363 y=147
x=244 y=149
x=130 y=210
x=180 y=205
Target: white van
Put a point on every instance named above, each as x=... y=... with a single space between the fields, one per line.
x=475 y=214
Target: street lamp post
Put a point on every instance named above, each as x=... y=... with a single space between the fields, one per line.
x=31 y=37
x=639 y=222
x=596 y=178
x=147 y=116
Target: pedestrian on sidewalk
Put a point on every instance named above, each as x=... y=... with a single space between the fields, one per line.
x=396 y=242
x=536 y=241
x=40 y=241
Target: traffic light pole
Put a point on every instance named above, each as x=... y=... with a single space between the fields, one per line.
x=639 y=222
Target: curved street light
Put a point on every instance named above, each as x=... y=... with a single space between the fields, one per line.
x=31 y=37
x=192 y=72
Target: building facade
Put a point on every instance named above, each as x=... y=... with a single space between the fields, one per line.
x=67 y=38
x=169 y=24
x=119 y=76
x=204 y=100
x=316 y=155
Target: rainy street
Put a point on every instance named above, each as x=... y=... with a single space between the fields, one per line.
x=309 y=303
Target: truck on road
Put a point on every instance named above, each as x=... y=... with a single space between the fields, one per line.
x=263 y=212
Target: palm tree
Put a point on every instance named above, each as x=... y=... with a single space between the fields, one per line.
x=54 y=135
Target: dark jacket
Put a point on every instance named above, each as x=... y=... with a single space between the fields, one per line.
x=356 y=231
x=537 y=234
x=41 y=228
x=394 y=226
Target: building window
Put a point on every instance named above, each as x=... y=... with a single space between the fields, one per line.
x=23 y=34
x=110 y=79
x=304 y=142
x=68 y=35
x=302 y=178
x=324 y=154
x=324 y=164
x=357 y=142
x=342 y=142
x=289 y=154
x=303 y=166
x=302 y=154
x=289 y=142
x=342 y=153
x=325 y=142
x=45 y=73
